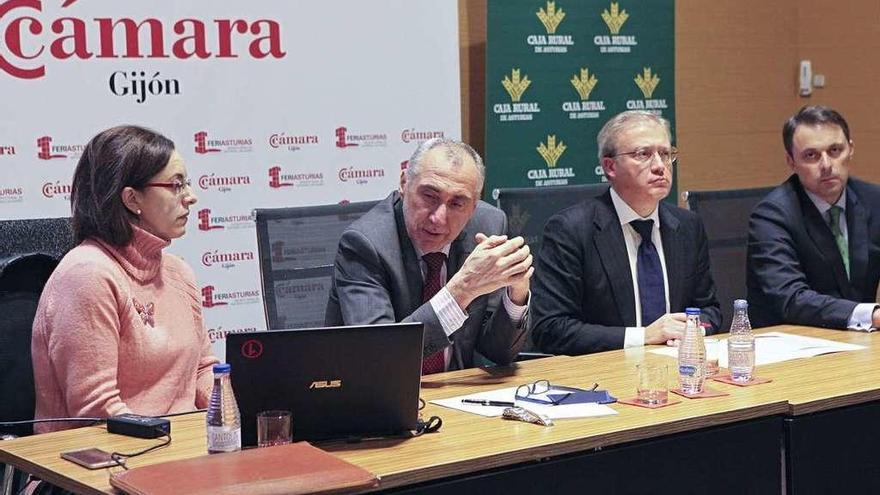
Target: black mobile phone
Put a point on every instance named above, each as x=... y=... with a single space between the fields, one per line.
x=91 y=458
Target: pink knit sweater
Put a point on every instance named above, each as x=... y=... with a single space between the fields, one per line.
x=120 y=331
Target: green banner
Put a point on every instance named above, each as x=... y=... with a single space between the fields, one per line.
x=557 y=71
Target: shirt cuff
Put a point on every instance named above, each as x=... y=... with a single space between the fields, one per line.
x=634 y=337
x=515 y=311
x=448 y=311
x=862 y=317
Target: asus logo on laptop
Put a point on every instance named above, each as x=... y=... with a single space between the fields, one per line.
x=326 y=384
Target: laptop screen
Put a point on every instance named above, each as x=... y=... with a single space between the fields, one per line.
x=338 y=382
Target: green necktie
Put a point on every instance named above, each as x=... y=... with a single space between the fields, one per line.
x=842 y=245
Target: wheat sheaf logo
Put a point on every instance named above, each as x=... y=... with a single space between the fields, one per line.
x=614 y=19
x=551 y=151
x=550 y=18
x=515 y=85
x=584 y=83
x=647 y=82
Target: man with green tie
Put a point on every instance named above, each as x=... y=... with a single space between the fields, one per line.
x=814 y=241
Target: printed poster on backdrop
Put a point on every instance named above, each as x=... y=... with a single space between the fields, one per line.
x=557 y=71
x=271 y=105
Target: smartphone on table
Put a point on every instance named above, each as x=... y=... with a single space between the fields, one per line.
x=91 y=458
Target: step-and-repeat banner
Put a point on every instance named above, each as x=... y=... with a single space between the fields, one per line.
x=558 y=70
x=271 y=104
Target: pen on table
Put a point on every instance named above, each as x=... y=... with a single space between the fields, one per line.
x=485 y=402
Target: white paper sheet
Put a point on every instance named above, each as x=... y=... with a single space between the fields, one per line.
x=562 y=411
x=774 y=347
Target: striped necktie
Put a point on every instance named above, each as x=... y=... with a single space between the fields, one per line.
x=435 y=363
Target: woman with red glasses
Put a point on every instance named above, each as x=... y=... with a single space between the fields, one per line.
x=119 y=325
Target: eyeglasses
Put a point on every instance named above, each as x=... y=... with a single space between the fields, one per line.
x=645 y=155
x=539 y=392
x=176 y=185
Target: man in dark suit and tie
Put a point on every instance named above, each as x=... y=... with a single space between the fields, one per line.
x=618 y=271
x=814 y=241
x=433 y=252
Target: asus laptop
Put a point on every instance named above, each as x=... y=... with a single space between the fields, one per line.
x=338 y=382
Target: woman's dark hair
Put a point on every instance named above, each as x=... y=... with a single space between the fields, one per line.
x=119 y=157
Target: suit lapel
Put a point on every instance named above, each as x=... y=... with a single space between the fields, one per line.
x=611 y=247
x=411 y=266
x=673 y=255
x=857 y=233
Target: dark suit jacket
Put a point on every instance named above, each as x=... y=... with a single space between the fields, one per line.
x=377 y=279
x=582 y=296
x=795 y=273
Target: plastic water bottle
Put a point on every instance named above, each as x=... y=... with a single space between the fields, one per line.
x=692 y=355
x=224 y=420
x=741 y=343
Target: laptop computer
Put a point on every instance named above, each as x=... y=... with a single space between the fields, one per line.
x=338 y=382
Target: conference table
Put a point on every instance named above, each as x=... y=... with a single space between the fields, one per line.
x=810 y=430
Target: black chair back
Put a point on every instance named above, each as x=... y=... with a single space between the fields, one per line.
x=725 y=214
x=297 y=248
x=529 y=208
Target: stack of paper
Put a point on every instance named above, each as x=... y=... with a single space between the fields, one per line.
x=774 y=347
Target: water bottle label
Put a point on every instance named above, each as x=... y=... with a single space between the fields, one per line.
x=224 y=439
x=687 y=370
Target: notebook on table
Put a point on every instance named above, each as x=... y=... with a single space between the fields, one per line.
x=292 y=469
x=338 y=382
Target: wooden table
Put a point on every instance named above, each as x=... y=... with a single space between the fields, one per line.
x=740 y=433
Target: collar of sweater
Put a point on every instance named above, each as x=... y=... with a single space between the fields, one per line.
x=142 y=257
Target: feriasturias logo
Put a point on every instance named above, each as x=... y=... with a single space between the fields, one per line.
x=346 y=139
x=48 y=151
x=34 y=42
x=209 y=221
x=279 y=179
x=11 y=194
x=205 y=145
x=212 y=298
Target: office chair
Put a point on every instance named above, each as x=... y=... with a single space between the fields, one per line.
x=29 y=251
x=529 y=208
x=297 y=247
x=725 y=215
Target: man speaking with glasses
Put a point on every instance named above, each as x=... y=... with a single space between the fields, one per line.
x=814 y=241
x=618 y=271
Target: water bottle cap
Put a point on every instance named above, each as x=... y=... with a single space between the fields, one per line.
x=222 y=368
x=740 y=304
x=692 y=311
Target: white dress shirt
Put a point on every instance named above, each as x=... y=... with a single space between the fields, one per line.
x=635 y=336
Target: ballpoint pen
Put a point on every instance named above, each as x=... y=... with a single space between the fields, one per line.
x=486 y=402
